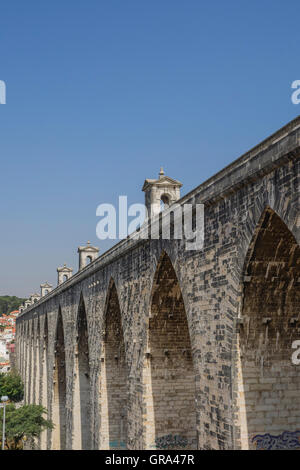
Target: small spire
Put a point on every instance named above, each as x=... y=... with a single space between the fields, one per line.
x=161 y=173
x=88 y=242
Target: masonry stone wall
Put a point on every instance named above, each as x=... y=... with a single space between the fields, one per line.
x=160 y=318
x=269 y=394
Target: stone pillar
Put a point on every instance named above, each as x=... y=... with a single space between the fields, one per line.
x=27 y=367
x=37 y=371
x=30 y=381
x=43 y=391
x=77 y=441
x=22 y=352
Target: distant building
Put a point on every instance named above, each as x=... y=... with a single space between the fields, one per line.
x=7 y=341
x=5 y=367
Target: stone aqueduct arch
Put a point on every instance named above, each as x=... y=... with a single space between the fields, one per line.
x=169 y=375
x=113 y=376
x=128 y=303
x=269 y=383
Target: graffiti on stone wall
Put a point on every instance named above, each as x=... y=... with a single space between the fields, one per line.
x=286 y=441
x=171 y=441
x=117 y=445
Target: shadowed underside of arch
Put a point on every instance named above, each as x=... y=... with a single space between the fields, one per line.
x=269 y=383
x=113 y=386
x=59 y=386
x=169 y=377
x=82 y=396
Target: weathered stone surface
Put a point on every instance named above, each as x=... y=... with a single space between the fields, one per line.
x=178 y=348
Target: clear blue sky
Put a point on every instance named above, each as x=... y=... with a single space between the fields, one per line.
x=101 y=93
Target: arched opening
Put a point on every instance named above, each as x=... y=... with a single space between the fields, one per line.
x=113 y=385
x=59 y=386
x=169 y=377
x=164 y=202
x=81 y=402
x=46 y=291
x=88 y=260
x=44 y=381
x=65 y=278
x=268 y=381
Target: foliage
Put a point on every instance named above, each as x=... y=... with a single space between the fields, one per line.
x=9 y=303
x=23 y=423
x=11 y=385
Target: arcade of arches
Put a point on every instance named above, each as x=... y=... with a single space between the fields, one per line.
x=268 y=383
x=158 y=343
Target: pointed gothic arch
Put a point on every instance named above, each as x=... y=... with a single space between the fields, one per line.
x=169 y=377
x=113 y=381
x=82 y=386
x=59 y=388
x=268 y=382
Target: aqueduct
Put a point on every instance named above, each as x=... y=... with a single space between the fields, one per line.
x=152 y=345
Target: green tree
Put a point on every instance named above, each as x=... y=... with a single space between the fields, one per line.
x=11 y=385
x=9 y=303
x=23 y=423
